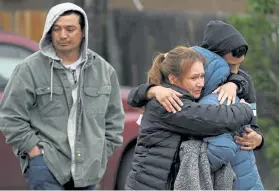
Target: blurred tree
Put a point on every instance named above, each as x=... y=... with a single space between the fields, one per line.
x=260 y=28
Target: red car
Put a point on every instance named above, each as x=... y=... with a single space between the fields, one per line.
x=13 y=49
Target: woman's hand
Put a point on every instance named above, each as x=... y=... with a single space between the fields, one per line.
x=249 y=141
x=168 y=97
x=227 y=91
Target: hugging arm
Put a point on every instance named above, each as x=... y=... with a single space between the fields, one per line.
x=138 y=96
x=170 y=99
x=250 y=97
x=199 y=119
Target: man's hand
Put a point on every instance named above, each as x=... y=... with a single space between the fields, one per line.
x=249 y=141
x=168 y=97
x=227 y=91
x=34 y=152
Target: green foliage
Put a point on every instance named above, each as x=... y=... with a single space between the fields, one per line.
x=271 y=142
x=260 y=28
x=271 y=137
x=254 y=27
x=262 y=6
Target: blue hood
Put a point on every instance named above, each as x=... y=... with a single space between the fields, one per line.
x=217 y=70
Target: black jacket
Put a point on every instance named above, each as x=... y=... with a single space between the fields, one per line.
x=137 y=96
x=156 y=160
x=249 y=95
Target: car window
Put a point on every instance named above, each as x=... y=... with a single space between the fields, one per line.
x=10 y=56
x=14 y=51
x=7 y=66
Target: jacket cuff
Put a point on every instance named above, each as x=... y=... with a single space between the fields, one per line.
x=144 y=90
x=262 y=144
x=30 y=144
x=240 y=81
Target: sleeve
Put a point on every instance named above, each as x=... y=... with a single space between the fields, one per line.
x=241 y=82
x=137 y=96
x=114 y=117
x=251 y=98
x=256 y=128
x=202 y=119
x=18 y=98
x=249 y=95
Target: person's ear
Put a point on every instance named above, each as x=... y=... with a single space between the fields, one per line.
x=173 y=79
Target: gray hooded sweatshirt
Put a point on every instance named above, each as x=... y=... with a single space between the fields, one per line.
x=78 y=127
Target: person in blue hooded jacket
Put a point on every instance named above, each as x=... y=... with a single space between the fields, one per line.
x=222 y=149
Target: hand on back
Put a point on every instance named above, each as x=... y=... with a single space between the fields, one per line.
x=168 y=97
x=227 y=92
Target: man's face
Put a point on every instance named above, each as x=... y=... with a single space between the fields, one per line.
x=233 y=60
x=67 y=34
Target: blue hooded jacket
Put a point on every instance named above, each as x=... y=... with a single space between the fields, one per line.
x=222 y=149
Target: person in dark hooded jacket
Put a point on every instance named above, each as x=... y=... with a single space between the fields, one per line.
x=156 y=159
x=226 y=41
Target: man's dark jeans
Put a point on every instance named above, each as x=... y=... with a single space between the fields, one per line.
x=39 y=177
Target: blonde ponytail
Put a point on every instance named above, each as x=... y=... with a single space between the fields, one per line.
x=155 y=76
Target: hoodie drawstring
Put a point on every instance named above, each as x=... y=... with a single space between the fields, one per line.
x=51 y=81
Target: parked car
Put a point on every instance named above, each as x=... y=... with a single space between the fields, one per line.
x=13 y=49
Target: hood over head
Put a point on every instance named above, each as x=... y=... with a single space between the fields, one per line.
x=222 y=38
x=54 y=13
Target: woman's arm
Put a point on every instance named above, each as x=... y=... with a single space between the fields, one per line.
x=169 y=98
x=199 y=119
x=137 y=97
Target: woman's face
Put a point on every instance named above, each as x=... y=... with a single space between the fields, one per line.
x=193 y=81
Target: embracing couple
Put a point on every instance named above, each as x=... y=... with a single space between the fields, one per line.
x=199 y=129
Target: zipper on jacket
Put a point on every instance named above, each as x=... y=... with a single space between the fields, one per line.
x=174 y=170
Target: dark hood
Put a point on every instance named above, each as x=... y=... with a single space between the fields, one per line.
x=222 y=38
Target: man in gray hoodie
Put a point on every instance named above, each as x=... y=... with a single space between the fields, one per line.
x=62 y=109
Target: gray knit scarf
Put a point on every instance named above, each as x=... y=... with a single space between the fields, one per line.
x=194 y=172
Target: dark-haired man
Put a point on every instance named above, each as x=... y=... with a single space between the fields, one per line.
x=62 y=109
